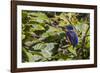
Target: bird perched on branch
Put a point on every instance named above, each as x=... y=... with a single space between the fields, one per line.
x=71 y=35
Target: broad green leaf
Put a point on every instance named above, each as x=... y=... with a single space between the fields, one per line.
x=47 y=51
x=50 y=46
x=28 y=43
x=36 y=53
x=24 y=17
x=72 y=50
x=47 y=34
x=39 y=17
x=36 y=58
x=28 y=54
x=53 y=29
x=52 y=32
x=39 y=46
x=36 y=27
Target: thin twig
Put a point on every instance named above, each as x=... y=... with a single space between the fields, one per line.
x=84 y=37
x=83 y=43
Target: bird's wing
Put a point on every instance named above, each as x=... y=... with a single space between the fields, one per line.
x=72 y=36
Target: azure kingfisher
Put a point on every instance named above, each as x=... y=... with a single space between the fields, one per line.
x=71 y=35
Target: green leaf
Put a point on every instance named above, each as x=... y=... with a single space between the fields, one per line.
x=36 y=53
x=63 y=24
x=54 y=29
x=28 y=43
x=72 y=50
x=39 y=46
x=52 y=32
x=50 y=46
x=63 y=17
x=27 y=54
x=36 y=27
x=39 y=17
x=24 y=17
x=36 y=58
x=47 y=51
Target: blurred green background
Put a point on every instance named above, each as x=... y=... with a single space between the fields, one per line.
x=44 y=36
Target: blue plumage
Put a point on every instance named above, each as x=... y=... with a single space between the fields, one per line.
x=71 y=35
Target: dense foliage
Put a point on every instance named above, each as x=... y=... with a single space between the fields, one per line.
x=44 y=36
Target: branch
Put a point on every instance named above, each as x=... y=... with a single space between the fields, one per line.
x=84 y=37
x=83 y=43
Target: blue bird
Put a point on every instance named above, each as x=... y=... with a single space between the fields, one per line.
x=71 y=35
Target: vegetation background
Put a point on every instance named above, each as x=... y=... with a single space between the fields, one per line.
x=44 y=36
